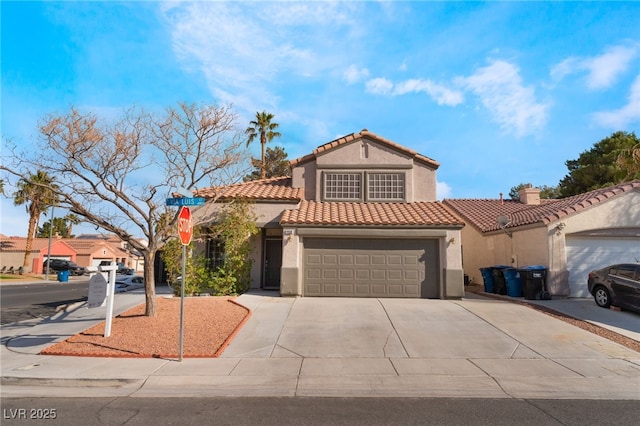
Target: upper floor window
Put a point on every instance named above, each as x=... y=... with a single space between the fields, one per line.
x=385 y=186
x=342 y=186
x=348 y=186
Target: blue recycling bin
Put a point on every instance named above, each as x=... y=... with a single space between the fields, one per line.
x=487 y=277
x=63 y=276
x=512 y=279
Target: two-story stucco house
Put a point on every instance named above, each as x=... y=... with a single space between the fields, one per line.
x=357 y=218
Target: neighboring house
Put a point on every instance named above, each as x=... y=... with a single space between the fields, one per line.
x=84 y=251
x=358 y=218
x=569 y=236
x=108 y=247
x=12 y=251
x=92 y=252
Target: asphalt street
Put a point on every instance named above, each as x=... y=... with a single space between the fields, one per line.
x=21 y=302
x=240 y=411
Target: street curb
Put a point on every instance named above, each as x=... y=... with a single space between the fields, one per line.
x=69 y=383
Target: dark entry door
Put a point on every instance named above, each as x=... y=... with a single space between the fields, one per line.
x=272 y=263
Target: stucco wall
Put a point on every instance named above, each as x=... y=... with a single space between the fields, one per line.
x=546 y=244
x=363 y=152
x=620 y=212
x=366 y=155
x=424 y=183
x=267 y=214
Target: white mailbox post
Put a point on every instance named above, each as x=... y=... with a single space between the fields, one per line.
x=103 y=285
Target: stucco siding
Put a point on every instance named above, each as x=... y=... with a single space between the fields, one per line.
x=423 y=183
x=267 y=214
x=363 y=153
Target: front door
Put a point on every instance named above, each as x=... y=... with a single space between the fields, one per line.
x=272 y=263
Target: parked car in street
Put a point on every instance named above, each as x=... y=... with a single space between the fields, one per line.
x=617 y=285
x=122 y=269
x=58 y=265
x=128 y=282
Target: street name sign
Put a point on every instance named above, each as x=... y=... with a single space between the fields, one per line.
x=179 y=202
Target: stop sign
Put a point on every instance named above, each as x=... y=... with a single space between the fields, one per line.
x=185 y=225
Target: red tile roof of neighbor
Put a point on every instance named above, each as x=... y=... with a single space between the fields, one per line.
x=278 y=188
x=340 y=213
x=20 y=243
x=357 y=136
x=482 y=213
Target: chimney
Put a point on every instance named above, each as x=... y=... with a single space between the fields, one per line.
x=529 y=195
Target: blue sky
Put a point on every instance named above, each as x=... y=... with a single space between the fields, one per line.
x=498 y=93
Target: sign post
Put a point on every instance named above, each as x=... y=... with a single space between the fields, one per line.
x=185 y=231
x=99 y=289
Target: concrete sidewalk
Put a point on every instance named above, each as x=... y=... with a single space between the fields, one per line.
x=471 y=348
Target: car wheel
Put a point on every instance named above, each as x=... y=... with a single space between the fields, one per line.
x=602 y=297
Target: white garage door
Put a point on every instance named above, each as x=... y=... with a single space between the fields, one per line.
x=370 y=267
x=586 y=254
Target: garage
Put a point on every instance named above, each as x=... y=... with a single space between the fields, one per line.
x=585 y=254
x=364 y=267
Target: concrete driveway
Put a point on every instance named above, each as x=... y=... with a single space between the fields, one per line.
x=416 y=347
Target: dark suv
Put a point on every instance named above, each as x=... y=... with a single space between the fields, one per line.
x=63 y=265
x=617 y=285
x=122 y=269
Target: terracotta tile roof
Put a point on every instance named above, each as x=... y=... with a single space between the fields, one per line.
x=278 y=188
x=89 y=246
x=357 y=136
x=407 y=214
x=19 y=244
x=482 y=213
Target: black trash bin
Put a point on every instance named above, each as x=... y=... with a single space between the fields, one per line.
x=534 y=282
x=499 y=283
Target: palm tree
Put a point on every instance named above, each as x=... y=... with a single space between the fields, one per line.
x=37 y=193
x=262 y=126
x=73 y=220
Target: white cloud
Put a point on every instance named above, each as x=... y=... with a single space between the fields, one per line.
x=620 y=118
x=242 y=49
x=379 y=86
x=441 y=94
x=353 y=74
x=602 y=70
x=438 y=92
x=511 y=104
x=443 y=190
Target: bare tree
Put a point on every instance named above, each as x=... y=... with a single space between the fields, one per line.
x=117 y=175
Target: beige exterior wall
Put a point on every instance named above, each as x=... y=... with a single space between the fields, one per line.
x=366 y=155
x=620 y=212
x=267 y=214
x=527 y=247
x=423 y=183
x=546 y=244
x=304 y=176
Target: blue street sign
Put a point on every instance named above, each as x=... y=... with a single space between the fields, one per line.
x=198 y=201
